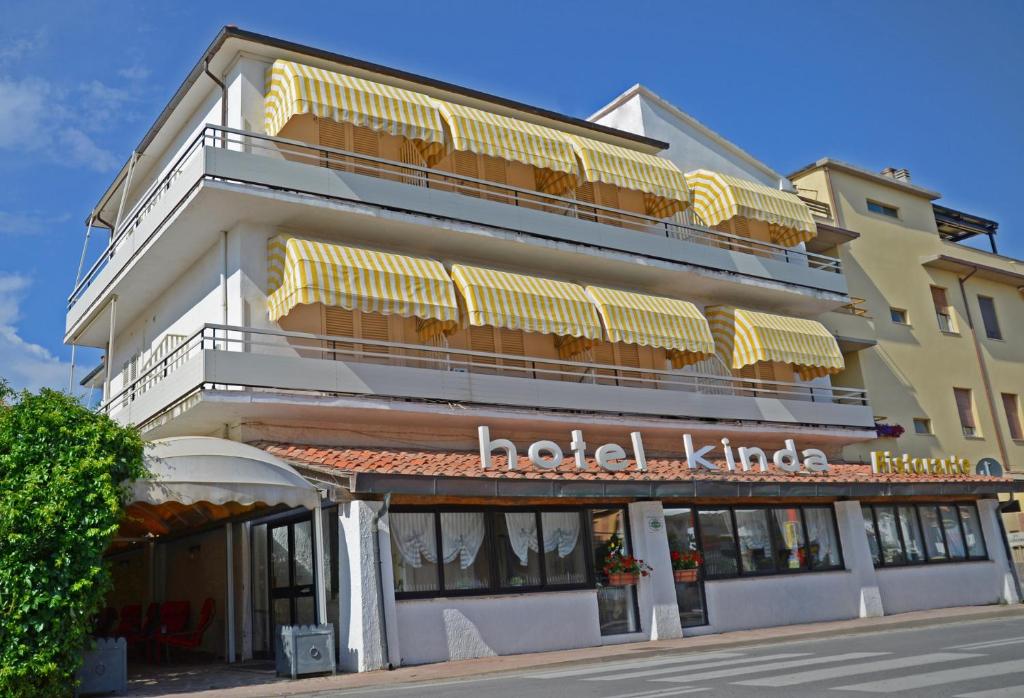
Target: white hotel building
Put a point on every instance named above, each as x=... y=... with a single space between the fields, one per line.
x=323 y=276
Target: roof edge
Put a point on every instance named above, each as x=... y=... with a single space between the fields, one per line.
x=827 y=162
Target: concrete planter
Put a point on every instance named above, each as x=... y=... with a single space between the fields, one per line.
x=305 y=649
x=104 y=668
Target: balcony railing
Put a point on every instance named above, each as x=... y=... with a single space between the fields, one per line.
x=820 y=209
x=415 y=175
x=439 y=358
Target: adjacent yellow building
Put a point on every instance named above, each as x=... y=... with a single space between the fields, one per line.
x=935 y=332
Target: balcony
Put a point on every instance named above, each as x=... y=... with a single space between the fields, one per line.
x=245 y=365
x=225 y=175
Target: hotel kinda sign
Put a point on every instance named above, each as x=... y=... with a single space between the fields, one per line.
x=613 y=457
x=886 y=462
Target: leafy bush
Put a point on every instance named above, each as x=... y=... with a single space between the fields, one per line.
x=61 y=500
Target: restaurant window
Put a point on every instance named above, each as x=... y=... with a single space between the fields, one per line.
x=899 y=316
x=1011 y=405
x=749 y=541
x=922 y=425
x=617 y=608
x=681 y=530
x=965 y=409
x=943 y=311
x=908 y=534
x=487 y=551
x=883 y=209
x=989 y=318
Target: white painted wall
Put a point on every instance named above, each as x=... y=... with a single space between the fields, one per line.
x=438 y=630
x=358 y=623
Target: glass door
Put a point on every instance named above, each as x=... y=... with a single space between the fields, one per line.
x=681 y=529
x=617 y=608
x=292 y=582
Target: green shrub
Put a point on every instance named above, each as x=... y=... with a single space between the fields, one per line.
x=61 y=500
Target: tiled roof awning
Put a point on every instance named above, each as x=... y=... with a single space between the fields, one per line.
x=294 y=88
x=529 y=303
x=662 y=183
x=718 y=197
x=655 y=321
x=307 y=271
x=745 y=337
x=486 y=133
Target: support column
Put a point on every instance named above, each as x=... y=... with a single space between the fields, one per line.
x=362 y=620
x=656 y=593
x=246 y=552
x=229 y=594
x=318 y=566
x=857 y=556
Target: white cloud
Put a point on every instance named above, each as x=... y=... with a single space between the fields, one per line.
x=22 y=363
x=38 y=117
x=134 y=73
x=29 y=223
x=13 y=50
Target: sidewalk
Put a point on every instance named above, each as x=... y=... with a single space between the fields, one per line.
x=238 y=681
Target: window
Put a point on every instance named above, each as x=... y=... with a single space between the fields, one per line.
x=965 y=408
x=1011 y=405
x=943 y=312
x=883 y=209
x=909 y=534
x=922 y=425
x=747 y=541
x=487 y=551
x=989 y=318
x=899 y=316
x=617 y=609
x=681 y=529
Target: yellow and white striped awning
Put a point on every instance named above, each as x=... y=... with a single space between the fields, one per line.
x=718 y=197
x=655 y=321
x=529 y=303
x=504 y=137
x=745 y=337
x=308 y=271
x=294 y=88
x=662 y=183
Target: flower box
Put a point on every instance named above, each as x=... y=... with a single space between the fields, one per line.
x=622 y=579
x=689 y=575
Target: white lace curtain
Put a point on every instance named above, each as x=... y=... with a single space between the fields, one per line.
x=561 y=532
x=462 y=534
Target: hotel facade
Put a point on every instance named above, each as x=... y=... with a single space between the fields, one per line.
x=434 y=367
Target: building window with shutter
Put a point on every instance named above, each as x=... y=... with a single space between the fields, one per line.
x=1011 y=405
x=965 y=409
x=339 y=322
x=989 y=318
x=943 y=311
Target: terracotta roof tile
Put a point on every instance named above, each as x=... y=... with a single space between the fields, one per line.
x=467 y=464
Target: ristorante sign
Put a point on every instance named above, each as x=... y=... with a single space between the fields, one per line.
x=886 y=462
x=614 y=458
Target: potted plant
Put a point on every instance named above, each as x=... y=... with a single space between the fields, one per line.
x=621 y=569
x=686 y=565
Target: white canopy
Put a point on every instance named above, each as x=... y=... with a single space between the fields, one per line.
x=192 y=469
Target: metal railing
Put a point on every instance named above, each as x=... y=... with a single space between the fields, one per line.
x=416 y=175
x=249 y=340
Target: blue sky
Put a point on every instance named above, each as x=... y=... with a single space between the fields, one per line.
x=932 y=86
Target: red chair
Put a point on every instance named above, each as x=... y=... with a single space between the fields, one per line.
x=188 y=639
x=136 y=631
x=173 y=616
x=130 y=622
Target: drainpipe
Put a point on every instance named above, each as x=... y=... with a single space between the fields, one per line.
x=382 y=617
x=223 y=101
x=984 y=369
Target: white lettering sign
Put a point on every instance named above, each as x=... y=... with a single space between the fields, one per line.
x=614 y=458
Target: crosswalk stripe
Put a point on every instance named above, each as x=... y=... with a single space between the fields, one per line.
x=854 y=669
x=1008 y=692
x=605 y=667
x=989 y=643
x=660 y=693
x=796 y=663
x=935 y=678
x=702 y=665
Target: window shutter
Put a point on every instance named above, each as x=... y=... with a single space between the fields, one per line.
x=609 y=194
x=333 y=135
x=365 y=141
x=1012 y=409
x=374 y=326
x=494 y=170
x=741 y=227
x=339 y=322
x=965 y=408
x=467 y=165
x=629 y=355
x=482 y=339
x=939 y=299
x=512 y=343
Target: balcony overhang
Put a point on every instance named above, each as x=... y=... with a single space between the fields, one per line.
x=964 y=265
x=219 y=188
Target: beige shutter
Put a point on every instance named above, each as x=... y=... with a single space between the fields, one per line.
x=512 y=342
x=339 y=322
x=375 y=326
x=467 y=164
x=495 y=171
x=481 y=338
x=585 y=195
x=334 y=135
x=1012 y=408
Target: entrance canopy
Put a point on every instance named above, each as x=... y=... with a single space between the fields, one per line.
x=190 y=470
